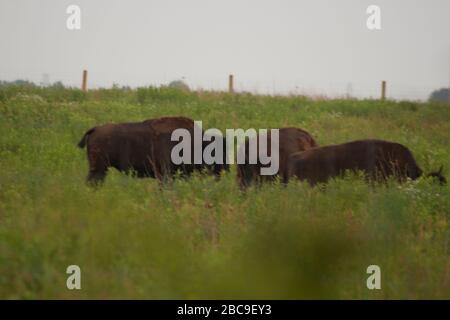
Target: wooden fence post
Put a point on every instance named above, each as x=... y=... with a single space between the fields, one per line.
x=383 y=90
x=230 y=84
x=84 y=83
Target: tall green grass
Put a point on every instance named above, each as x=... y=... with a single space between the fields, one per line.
x=201 y=238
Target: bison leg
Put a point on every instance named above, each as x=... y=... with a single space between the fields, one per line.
x=98 y=165
x=96 y=177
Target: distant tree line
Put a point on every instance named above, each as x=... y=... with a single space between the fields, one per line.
x=177 y=84
x=440 y=95
x=29 y=84
x=21 y=83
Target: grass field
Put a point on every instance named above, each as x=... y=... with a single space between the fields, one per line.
x=205 y=239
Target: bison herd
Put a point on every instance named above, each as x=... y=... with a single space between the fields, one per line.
x=144 y=149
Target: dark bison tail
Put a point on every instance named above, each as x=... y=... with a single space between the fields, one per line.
x=438 y=176
x=83 y=140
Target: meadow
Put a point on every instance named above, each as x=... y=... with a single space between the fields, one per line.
x=205 y=239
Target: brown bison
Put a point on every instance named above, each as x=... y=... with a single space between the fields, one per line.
x=164 y=166
x=291 y=140
x=135 y=147
x=377 y=159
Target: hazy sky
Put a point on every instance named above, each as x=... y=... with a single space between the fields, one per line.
x=313 y=46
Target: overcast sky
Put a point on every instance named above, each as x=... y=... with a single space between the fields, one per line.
x=311 y=46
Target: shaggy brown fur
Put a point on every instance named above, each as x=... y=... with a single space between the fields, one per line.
x=377 y=159
x=129 y=147
x=291 y=140
x=164 y=167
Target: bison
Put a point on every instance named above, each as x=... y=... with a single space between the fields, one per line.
x=164 y=166
x=139 y=147
x=291 y=140
x=377 y=159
